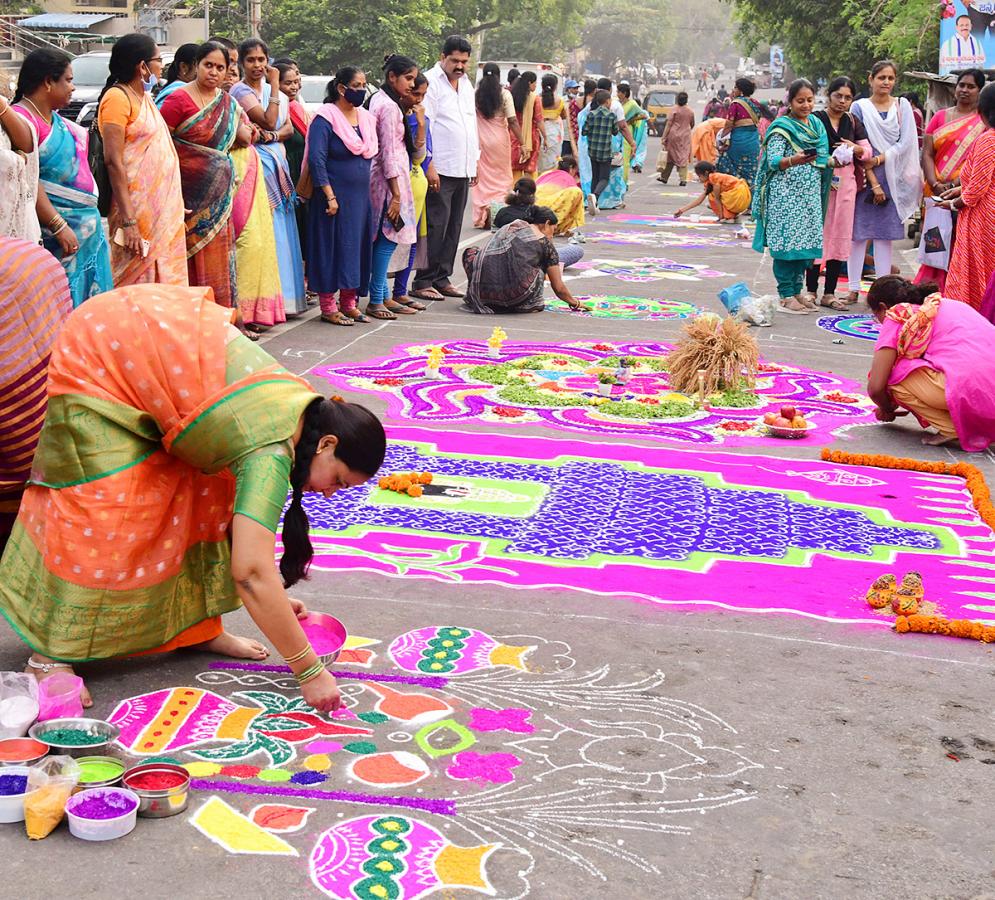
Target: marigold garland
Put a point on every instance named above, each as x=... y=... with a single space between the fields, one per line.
x=980 y=495
x=961 y=628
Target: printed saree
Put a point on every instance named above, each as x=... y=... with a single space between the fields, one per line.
x=207 y=174
x=37 y=299
x=161 y=424
x=65 y=176
x=260 y=299
x=640 y=132
x=951 y=145
x=152 y=171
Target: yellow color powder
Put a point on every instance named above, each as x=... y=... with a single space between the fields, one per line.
x=317 y=762
x=202 y=769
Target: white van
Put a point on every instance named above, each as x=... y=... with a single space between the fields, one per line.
x=539 y=68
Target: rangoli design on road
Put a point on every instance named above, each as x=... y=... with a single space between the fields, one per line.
x=642 y=270
x=855 y=326
x=559 y=385
x=753 y=534
x=685 y=239
x=609 y=306
x=693 y=220
x=514 y=760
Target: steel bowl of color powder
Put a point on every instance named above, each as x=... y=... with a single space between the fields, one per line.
x=162 y=789
x=102 y=814
x=326 y=634
x=99 y=771
x=75 y=737
x=21 y=751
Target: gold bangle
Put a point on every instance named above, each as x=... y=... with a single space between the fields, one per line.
x=310 y=673
x=297 y=657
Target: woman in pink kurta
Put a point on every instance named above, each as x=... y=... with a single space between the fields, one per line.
x=390 y=187
x=844 y=130
x=933 y=357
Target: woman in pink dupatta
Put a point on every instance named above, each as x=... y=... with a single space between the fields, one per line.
x=496 y=122
x=947 y=144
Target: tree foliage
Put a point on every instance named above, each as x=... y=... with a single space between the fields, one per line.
x=823 y=41
x=323 y=35
x=628 y=32
x=531 y=40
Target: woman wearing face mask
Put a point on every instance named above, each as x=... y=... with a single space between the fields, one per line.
x=67 y=202
x=341 y=143
x=883 y=208
x=258 y=93
x=206 y=124
x=390 y=183
x=148 y=236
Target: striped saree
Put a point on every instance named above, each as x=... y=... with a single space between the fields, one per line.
x=36 y=300
x=162 y=423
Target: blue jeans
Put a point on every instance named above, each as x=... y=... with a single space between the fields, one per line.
x=383 y=250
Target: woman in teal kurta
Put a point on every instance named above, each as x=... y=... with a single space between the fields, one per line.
x=790 y=195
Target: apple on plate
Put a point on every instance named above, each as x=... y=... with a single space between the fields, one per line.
x=770 y=418
x=782 y=422
x=788 y=412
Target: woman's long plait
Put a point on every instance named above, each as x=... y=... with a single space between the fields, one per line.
x=297 y=549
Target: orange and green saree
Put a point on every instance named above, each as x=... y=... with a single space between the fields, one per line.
x=162 y=423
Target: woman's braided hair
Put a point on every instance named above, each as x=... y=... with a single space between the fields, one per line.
x=361 y=447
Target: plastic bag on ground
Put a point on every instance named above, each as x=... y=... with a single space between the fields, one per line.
x=758 y=310
x=18 y=703
x=50 y=784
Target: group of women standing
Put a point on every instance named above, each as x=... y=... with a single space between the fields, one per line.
x=522 y=132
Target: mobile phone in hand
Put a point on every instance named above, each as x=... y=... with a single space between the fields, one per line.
x=810 y=152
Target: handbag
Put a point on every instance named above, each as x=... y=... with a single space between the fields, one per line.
x=98 y=167
x=937 y=231
x=616 y=160
x=305 y=186
x=661 y=160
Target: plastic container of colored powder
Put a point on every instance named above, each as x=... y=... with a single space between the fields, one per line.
x=13 y=790
x=162 y=789
x=102 y=814
x=21 y=751
x=99 y=771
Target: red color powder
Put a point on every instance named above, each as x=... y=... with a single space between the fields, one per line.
x=155 y=781
x=241 y=771
x=21 y=748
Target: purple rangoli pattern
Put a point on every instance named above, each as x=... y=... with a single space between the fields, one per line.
x=557 y=384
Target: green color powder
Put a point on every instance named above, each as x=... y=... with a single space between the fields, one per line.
x=97 y=770
x=72 y=737
x=361 y=747
x=374 y=718
x=277 y=775
x=170 y=760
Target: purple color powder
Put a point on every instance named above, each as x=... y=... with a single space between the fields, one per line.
x=308 y=778
x=429 y=681
x=110 y=805
x=13 y=785
x=427 y=804
x=323 y=747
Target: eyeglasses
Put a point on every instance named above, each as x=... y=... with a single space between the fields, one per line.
x=155 y=59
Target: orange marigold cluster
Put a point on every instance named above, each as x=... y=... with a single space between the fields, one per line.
x=980 y=494
x=961 y=628
x=409 y=483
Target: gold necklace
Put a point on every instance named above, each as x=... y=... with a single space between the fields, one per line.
x=41 y=115
x=138 y=96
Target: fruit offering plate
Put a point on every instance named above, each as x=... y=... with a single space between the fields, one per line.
x=791 y=432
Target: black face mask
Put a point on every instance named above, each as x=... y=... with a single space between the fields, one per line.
x=355 y=96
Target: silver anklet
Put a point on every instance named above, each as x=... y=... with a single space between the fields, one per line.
x=45 y=668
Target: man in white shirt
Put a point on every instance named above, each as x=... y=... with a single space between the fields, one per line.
x=963 y=49
x=605 y=84
x=450 y=106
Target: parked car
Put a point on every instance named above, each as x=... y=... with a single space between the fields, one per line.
x=313 y=88
x=659 y=103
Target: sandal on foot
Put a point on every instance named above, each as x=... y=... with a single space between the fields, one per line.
x=831 y=302
x=379 y=312
x=336 y=318
x=809 y=301
x=794 y=307
x=404 y=300
x=429 y=294
x=355 y=315
x=399 y=308
x=852 y=297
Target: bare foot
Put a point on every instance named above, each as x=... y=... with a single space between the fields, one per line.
x=237 y=647
x=937 y=440
x=40 y=676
